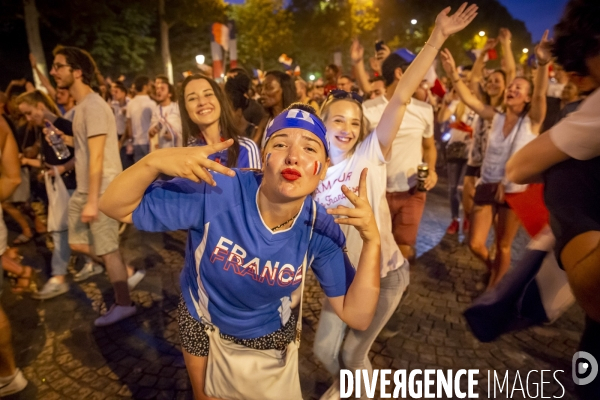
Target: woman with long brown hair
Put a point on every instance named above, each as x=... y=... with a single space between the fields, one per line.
x=207 y=119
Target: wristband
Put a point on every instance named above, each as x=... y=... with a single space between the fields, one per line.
x=430 y=45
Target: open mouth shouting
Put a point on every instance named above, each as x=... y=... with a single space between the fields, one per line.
x=290 y=174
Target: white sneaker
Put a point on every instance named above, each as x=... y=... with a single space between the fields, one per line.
x=115 y=314
x=136 y=278
x=333 y=393
x=51 y=289
x=88 y=270
x=15 y=385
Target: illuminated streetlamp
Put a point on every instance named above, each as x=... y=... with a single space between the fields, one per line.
x=525 y=50
x=413 y=21
x=481 y=33
x=200 y=59
x=311 y=77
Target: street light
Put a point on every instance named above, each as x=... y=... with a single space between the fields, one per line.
x=525 y=50
x=413 y=21
x=482 y=33
x=200 y=59
x=311 y=77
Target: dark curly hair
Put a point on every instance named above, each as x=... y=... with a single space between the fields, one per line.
x=577 y=35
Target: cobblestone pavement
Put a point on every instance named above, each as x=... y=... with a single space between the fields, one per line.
x=65 y=357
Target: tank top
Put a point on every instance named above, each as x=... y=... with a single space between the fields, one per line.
x=500 y=149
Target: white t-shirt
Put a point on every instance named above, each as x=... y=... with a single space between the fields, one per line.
x=329 y=194
x=500 y=149
x=407 y=150
x=139 y=111
x=555 y=89
x=170 y=119
x=578 y=135
x=120 y=115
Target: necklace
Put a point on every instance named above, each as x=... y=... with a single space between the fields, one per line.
x=285 y=223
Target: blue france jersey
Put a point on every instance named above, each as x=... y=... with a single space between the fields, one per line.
x=249 y=156
x=238 y=273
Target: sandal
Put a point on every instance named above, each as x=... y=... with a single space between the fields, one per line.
x=25 y=283
x=22 y=239
x=22 y=281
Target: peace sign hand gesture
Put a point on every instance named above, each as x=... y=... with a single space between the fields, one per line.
x=361 y=216
x=449 y=24
x=191 y=162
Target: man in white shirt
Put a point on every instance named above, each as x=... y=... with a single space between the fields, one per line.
x=413 y=145
x=139 y=115
x=165 y=126
x=119 y=106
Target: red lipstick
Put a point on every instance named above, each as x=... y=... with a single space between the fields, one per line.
x=290 y=174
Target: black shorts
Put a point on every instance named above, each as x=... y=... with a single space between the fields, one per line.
x=194 y=338
x=473 y=171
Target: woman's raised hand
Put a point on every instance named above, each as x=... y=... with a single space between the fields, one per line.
x=448 y=62
x=191 y=162
x=356 y=52
x=361 y=216
x=491 y=43
x=449 y=24
x=543 y=51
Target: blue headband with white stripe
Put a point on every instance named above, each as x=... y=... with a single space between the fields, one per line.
x=296 y=118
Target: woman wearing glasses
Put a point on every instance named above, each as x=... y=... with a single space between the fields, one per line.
x=352 y=150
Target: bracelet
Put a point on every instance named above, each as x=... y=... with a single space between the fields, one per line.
x=542 y=64
x=430 y=45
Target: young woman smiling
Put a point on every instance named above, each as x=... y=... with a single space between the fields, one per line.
x=250 y=234
x=207 y=118
x=352 y=150
x=525 y=109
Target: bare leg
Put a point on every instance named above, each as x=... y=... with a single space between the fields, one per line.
x=117 y=273
x=482 y=219
x=196 y=368
x=18 y=216
x=467 y=195
x=7 y=357
x=506 y=230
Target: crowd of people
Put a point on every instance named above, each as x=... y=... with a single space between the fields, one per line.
x=272 y=176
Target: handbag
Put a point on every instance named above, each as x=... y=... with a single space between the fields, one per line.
x=237 y=372
x=58 y=202
x=485 y=193
x=456 y=151
x=534 y=292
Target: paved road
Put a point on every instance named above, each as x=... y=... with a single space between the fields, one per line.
x=65 y=357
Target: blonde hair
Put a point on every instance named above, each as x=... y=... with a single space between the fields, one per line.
x=324 y=114
x=37 y=96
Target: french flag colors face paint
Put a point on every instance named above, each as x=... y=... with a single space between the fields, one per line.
x=318 y=167
x=267 y=159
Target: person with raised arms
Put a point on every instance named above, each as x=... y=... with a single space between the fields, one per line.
x=352 y=150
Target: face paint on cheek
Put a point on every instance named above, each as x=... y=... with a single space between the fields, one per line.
x=267 y=159
x=318 y=166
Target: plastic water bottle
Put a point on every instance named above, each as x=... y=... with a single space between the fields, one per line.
x=58 y=145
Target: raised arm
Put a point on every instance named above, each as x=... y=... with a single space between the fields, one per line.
x=479 y=65
x=484 y=110
x=10 y=177
x=537 y=113
x=445 y=25
x=125 y=192
x=509 y=59
x=43 y=78
x=357 y=53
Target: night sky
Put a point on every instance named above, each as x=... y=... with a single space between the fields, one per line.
x=538 y=15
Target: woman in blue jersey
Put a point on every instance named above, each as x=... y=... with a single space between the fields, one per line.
x=248 y=235
x=207 y=118
x=352 y=150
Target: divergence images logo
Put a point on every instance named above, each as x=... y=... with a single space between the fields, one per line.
x=584 y=364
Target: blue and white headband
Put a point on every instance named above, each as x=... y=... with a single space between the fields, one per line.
x=296 y=118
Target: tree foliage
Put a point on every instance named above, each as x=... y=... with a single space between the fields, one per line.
x=264 y=31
